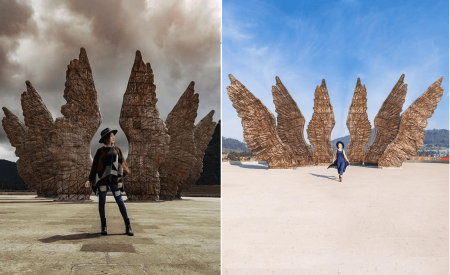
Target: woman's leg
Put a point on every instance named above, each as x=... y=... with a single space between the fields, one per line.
x=101 y=208
x=119 y=200
x=102 y=201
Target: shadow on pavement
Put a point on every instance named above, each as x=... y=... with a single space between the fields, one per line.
x=251 y=166
x=72 y=237
x=323 y=176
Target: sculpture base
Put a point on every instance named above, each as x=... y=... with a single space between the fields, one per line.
x=166 y=198
x=146 y=198
x=73 y=198
x=305 y=165
x=323 y=164
x=395 y=167
x=370 y=164
x=282 y=167
x=147 y=201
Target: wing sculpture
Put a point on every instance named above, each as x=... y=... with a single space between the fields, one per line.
x=203 y=133
x=35 y=165
x=182 y=151
x=147 y=135
x=320 y=127
x=387 y=122
x=72 y=134
x=54 y=157
x=290 y=124
x=260 y=133
x=412 y=122
x=358 y=125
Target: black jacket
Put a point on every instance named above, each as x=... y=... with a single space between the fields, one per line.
x=107 y=168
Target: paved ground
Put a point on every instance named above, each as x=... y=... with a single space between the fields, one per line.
x=377 y=221
x=45 y=237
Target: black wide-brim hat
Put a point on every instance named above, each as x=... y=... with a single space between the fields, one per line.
x=340 y=143
x=105 y=134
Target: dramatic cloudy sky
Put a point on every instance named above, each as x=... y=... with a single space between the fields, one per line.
x=303 y=42
x=38 y=38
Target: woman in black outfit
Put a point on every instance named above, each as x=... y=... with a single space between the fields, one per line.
x=107 y=173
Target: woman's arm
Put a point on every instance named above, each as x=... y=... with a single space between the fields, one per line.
x=120 y=169
x=334 y=156
x=345 y=155
x=94 y=168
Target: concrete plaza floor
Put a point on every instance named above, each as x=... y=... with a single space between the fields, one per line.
x=39 y=236
x=304 y=221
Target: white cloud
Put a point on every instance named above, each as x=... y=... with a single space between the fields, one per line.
x=8 y=154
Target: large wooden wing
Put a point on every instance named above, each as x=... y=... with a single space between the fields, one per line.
x=358 y=125
x=411 y=134
x=148 y=138
x=387 y=122
x=290 y=124
x=320 y=127
x=181 y=158
x=203 y=132
x=72 y=134
x=260 y=133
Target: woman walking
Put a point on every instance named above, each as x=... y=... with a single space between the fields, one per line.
x=340 y=159
x=107 y=173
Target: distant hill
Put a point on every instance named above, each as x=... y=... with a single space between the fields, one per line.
x=436 y=138
x=227 y=151
x=433 y=138
x=346 y=140
x=231 y=144
x=9 y=177
x=212 y=162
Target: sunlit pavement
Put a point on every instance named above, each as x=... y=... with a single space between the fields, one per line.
x=304 y=221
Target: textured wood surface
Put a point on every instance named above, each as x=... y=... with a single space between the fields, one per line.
x=35 y=165
x=72 y=134
x=358 y=125
x=148 y=138
x=260 y=133
x=202 y=133
x=412 y=122
x=387 y=122
x=320 y=127
x=182 y=151
x=54 y=157
x=290 y=124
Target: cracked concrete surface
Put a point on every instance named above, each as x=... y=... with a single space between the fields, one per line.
x=175 y=237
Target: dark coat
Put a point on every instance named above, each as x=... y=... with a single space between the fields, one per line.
x=99 y=176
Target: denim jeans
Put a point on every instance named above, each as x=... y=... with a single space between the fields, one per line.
x=117 y=196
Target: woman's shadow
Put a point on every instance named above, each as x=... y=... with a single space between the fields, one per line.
x=72 y=237
x=324 y=176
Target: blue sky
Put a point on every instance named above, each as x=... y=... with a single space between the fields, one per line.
x=303 y=42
